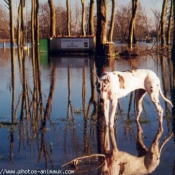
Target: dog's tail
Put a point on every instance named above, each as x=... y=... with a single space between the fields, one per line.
x=168 y=101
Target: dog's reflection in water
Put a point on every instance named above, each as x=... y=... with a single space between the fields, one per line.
x=122 y=163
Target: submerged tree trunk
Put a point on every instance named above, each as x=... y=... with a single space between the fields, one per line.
x=68 y=18
x=52 y=18
x=132 y=24
x=111 y=29
x=101 y=27
x=83 y=18
x=163 y=23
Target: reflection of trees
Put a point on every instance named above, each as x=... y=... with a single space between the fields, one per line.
x=33 y=114
x=166 y=69
x=88 y=112
x=11 y=134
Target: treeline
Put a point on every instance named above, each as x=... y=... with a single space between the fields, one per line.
x=128 y=23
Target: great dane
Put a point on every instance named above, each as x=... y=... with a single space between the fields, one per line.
x=113 y=85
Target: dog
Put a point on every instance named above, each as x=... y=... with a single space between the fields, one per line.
x=114 y=85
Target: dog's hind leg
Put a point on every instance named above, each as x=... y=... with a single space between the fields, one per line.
x=140 y=93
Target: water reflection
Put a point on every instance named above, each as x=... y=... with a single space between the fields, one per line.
x=52 y=112
x=120 y=162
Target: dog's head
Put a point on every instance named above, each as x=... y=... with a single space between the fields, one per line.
x=103 y=87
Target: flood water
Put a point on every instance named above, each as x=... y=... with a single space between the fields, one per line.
x=48 y=115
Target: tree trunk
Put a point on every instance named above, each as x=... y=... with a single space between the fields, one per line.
x=68 y=18
x=91 y=18
x=163 y=23
x=101 y=27
x=173 y=48
x=83 y=18
x=111 y=30
x=33 y=22
x=12 y=38
x=19 y=25
x=132 y=23
x=170 y=23
x=21 y=39
x=52 y=18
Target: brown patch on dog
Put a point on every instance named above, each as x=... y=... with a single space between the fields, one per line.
x=122 y=81
x=122 y=167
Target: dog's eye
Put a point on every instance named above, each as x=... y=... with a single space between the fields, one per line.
x=105 y=87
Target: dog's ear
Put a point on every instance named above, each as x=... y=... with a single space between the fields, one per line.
x=121 y=81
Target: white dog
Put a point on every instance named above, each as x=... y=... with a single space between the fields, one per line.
x=113 y=85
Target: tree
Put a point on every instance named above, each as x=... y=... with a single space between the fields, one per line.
x=122 y=21
x=35 y=22
x=132 y=23
x=101 y=27
x=20 y=39
x=162 y=23
x=4 y=23
x=61 y=27
x=68 y=18
x=83 y=19
x=170 y=20
x=45 y=18
x=91 y=18
x=12 y=33
x=111 y=28
x=173 y=48
x=52 y=18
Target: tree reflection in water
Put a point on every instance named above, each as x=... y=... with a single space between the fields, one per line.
x=46 y=136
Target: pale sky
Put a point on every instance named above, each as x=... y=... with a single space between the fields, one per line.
x=146 y=4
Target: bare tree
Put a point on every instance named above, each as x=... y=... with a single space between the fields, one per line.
x=68 y=18
x=122 y=22
x=35 y=22
x=163 y=23
x=12 y=33
x=20 y=40
x=132 y=23
x=4 y=23
x=101 y=26
x=52 y=18
x=61 y=26
x=83 y=18
x=44 y=18
x=173 y=48
x=170 y=21
x=111 y=28
x=91 y=18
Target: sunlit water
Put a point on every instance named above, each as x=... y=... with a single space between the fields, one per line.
x=70 y=129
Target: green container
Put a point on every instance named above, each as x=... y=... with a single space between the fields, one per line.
x=44 y=45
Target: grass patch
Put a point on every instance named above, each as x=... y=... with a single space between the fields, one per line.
x=144 y=120
x=6 y=124
x=78 y=111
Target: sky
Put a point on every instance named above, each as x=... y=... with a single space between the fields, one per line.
x=146 y=4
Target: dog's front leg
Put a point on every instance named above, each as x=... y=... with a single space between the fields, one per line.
x=113 y=109
x=106 y=112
